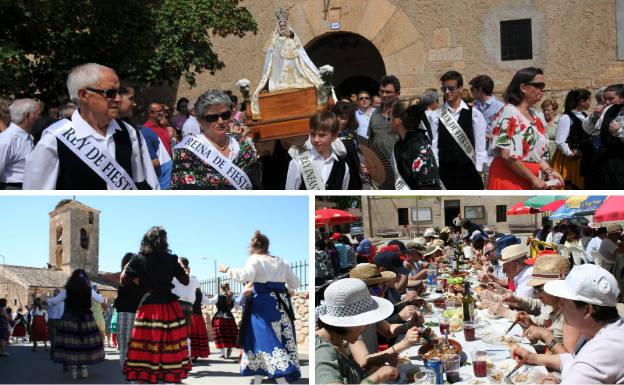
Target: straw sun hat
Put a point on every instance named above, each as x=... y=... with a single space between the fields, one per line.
x=549 y=267
x=369 y=273
x=348 y=303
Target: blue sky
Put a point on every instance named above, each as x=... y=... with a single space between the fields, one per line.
x=213 y=227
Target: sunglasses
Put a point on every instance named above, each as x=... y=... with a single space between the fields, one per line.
x=449 y=89
x=110 y=93
x=225 y=116
x=538 y=85
x=364 y=98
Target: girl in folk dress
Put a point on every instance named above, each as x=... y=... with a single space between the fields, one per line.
x=267 y=328
x=199 y=333
x=224 y=327
x=158 y=347
x=19 y=329
x=39 y=326
x=78 y=340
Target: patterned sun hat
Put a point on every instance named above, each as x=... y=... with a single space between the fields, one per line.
x=348 y=303
x=549 y=267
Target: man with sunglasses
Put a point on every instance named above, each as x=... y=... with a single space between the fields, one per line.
x=363 y=113
x=458 y=138
x=94 y=150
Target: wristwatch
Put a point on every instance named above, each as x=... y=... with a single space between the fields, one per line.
x=552 y=343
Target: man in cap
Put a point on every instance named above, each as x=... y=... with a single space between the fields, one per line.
x=341 y=249
x=430 y=235
x=589 y=296
x=610 y=247
x=391 y=261
x=414 y=253
x=365 y=249
x=445 y=235
x=519 y=272
x=594 y=243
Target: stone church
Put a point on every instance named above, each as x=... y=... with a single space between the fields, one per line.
x=578 y=43
x=73 y=244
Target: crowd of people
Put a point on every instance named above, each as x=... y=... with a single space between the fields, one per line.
x=157 y=320
x=369 y=307
x=470 y=140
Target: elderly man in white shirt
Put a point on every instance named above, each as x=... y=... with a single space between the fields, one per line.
x=513 y=258
x=460 y=168
x=589 y=298
x=94 y=150
x=16 y=142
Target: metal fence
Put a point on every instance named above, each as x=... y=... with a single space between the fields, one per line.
x=211 y=286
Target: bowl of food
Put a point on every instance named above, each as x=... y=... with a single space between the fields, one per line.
x=439 y=348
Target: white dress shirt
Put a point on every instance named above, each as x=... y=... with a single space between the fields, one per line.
x=15 y=145
x=191 y=126
x=479 y=127
x=186 y=293
x=363 y=118
x=520 y=280
x=42 y=165
x=596 y=362
x=324 y=166
x=563 y=131
x=263 y=269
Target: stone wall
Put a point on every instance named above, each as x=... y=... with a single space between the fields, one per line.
x=420 y=40
x=300 y=305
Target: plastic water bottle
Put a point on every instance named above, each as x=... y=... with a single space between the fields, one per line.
x=432 y=276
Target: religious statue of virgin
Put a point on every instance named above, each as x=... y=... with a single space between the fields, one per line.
x=286 y=64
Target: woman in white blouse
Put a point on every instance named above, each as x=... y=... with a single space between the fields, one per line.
x=571 y=139
x=267 y=332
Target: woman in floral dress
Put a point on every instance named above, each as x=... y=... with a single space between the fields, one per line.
x=205 y=161
x=519 y=137
x=413 y=159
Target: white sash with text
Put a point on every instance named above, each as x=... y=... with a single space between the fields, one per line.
x=458 y=134
x=399 y=182
x=205 y=151
x=97 y=158
x=311 y=176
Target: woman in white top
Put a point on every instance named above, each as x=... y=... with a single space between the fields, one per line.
x=572 y=140
x=39 y=325
x=267 y=332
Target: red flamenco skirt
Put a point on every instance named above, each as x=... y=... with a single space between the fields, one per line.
x=199 y=337
x=19 y=330
x=157 y=350
x=225 y=332
x=39 y=329
x=502 y=178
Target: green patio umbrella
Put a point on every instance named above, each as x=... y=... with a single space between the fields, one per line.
x=541 y=200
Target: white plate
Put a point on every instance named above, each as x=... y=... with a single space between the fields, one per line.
x=497 y=339
x=432 y=297
x=487 y=314
x=524 y=375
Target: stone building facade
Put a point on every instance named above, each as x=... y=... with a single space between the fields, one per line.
x=385 y=215
x=574 y=41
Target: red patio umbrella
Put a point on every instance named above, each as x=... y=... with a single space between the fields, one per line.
x=520 y=209
x=327 y=216
x=552 y=206
x=611 y=210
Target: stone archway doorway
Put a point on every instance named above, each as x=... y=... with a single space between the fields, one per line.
x=357 y=63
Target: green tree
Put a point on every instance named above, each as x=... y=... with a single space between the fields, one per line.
x=147 y=43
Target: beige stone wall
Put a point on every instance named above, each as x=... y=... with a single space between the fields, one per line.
x=300 y=305
x=382 y=213
x=574 y=41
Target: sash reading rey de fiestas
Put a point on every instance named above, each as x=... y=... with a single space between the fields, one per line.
x=96 y=157
x=457 y=133
x=311 y=176
x=211 y=156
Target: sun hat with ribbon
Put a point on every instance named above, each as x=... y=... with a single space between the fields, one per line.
x=348 y=303
x=549 y=267
x=370 y=274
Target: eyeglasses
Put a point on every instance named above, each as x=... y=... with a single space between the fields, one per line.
x=364 y=98
x=226 y=115
x=110 y=93
x=449 y=89
x=538 y=85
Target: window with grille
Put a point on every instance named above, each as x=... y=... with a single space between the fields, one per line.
x=516 y=40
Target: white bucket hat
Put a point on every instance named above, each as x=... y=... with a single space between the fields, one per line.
x=586 y=283
x=348 y=303
x=430 y=233
x=513 y=252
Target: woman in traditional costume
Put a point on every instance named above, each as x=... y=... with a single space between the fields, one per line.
x=215 y=159
x=78 y=341
x=19 y=329
x=39 y=325
x=158 y=347
x=267 y=332
x=224 y=329
x=199 y=333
